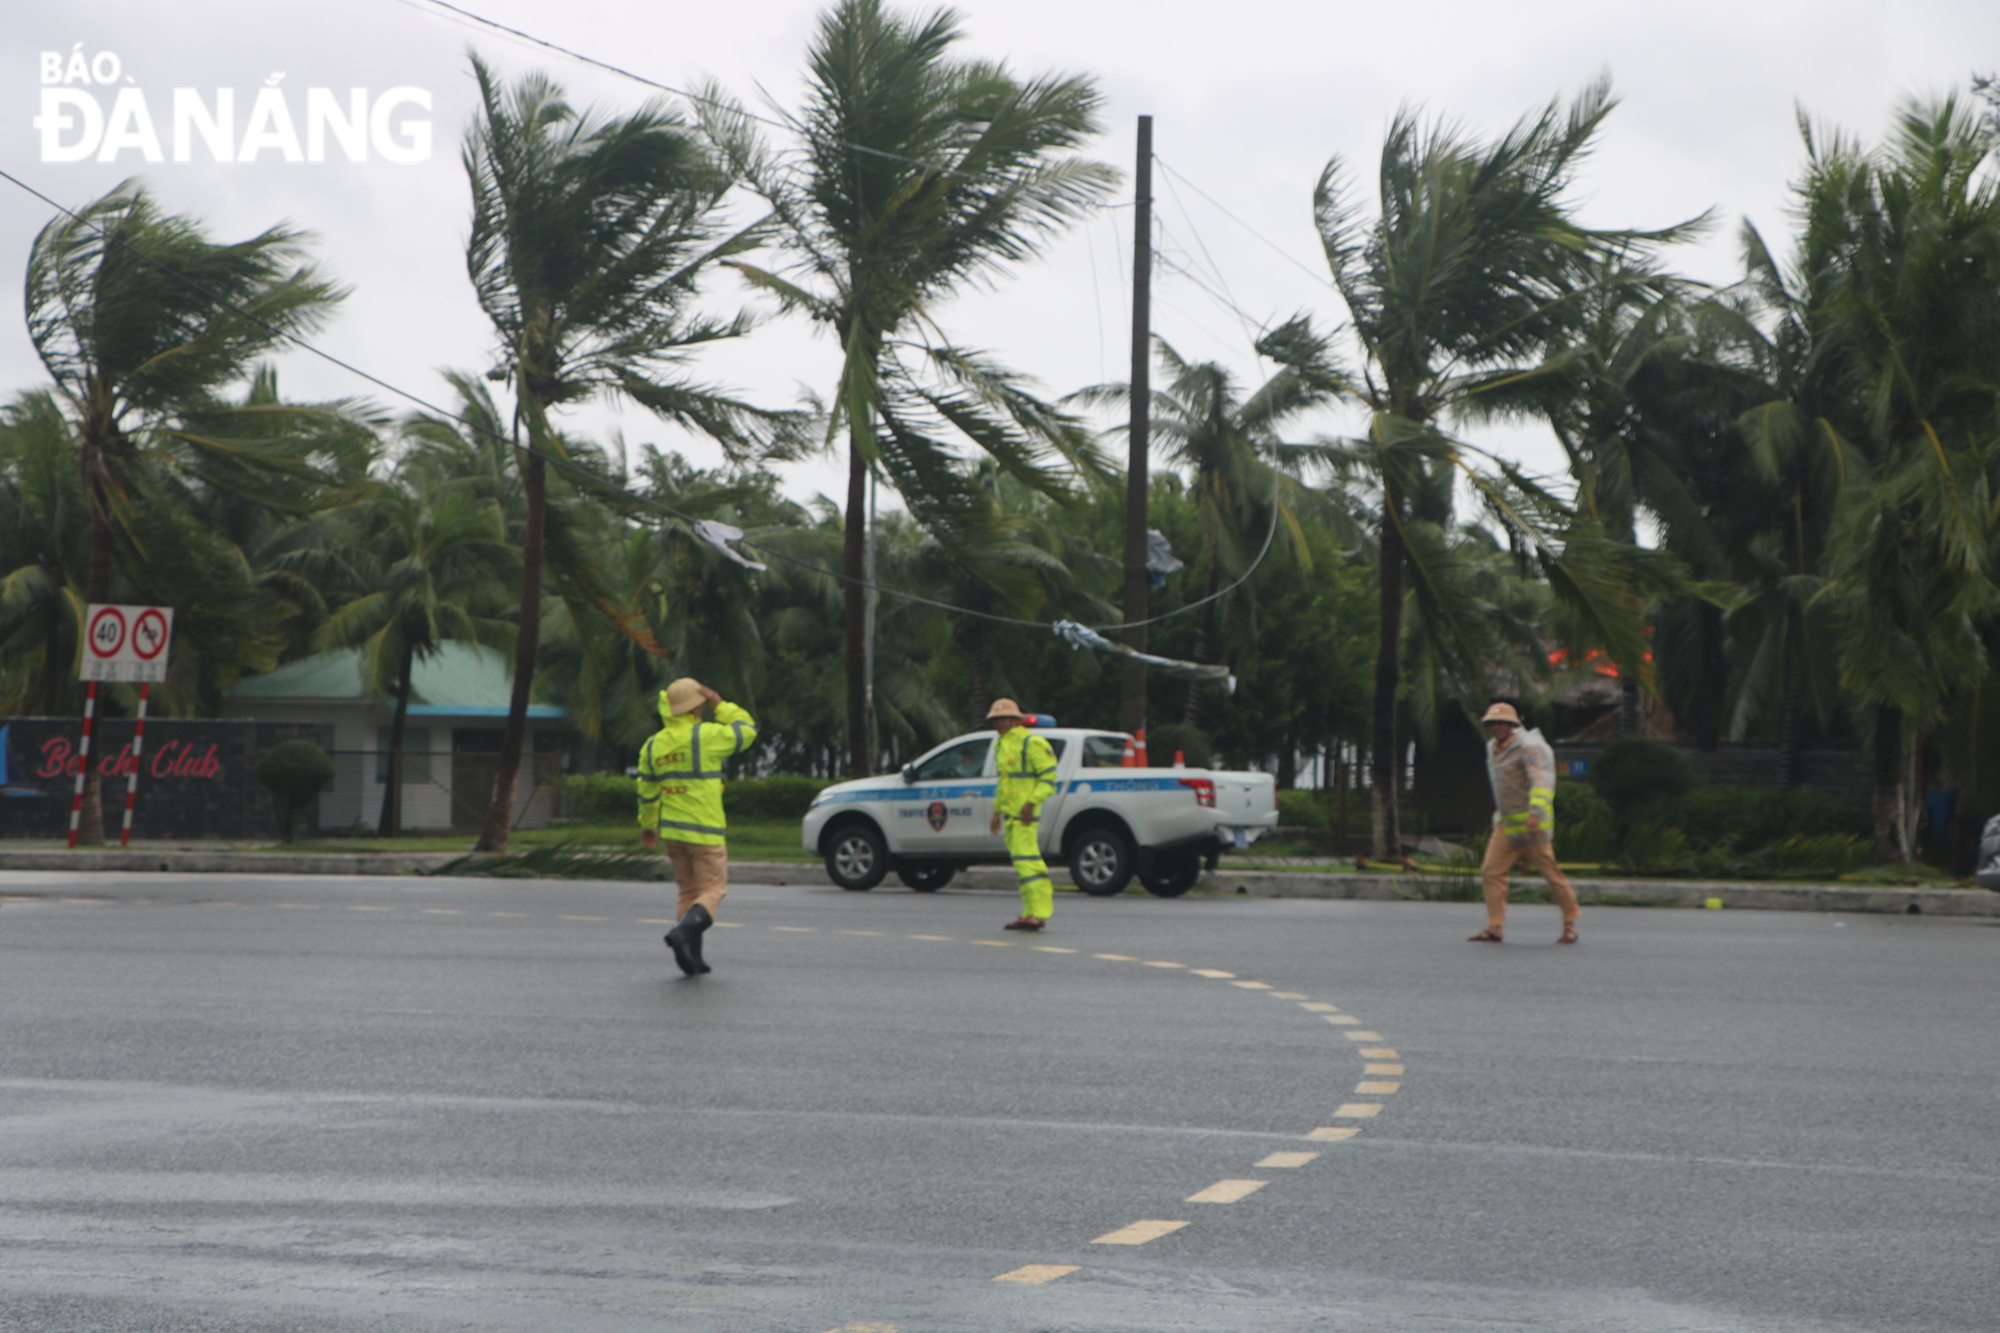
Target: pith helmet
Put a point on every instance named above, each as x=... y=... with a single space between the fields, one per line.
x=683 y=696
x=1502 y=713
x=1004 y=708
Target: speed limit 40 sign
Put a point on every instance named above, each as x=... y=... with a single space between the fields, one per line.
x=126 y=643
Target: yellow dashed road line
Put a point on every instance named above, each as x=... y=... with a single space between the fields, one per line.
x=1278 y=1160
x=1206 y=972
x=1364 y=1036
x=1381 y=1069
x=1227 y=1191
x=1358 y=1110
x=1139 y=1233
x=1334 y=1133
x=1376 y=1089
x=1036 y=1274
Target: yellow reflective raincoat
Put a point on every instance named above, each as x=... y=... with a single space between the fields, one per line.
x=680 y=772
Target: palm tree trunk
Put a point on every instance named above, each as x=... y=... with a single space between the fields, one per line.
x=527 y=647
x=1890 y=844
x=90 y=817
x=860 y=750
x=1385 y=835
x=391 y=823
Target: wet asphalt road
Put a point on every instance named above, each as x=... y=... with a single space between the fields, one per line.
x=415 y=1105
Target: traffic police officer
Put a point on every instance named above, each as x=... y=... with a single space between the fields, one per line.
x=1027 y=769
x=680 y=804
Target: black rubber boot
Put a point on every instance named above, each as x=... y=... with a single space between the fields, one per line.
x=685 y=940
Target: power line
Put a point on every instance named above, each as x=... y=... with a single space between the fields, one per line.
x=1282 y=253
x=568 y=466
x=642 y=80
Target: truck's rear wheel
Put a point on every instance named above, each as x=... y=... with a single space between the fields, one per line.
x=926 y=876
x=1173 y=874
x=1100 y=861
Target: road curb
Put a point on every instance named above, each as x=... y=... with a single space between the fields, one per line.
x=1255 y=883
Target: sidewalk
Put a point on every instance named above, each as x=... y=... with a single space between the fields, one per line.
x=1255 y=883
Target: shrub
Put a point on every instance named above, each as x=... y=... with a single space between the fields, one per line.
x=613 y=797
x=294 y=772
x=1742 y=819
x=1634 y=773
x=1828 y=854
x=598 y=797
x=1305 y=809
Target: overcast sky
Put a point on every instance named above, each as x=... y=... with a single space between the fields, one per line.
x=1249 y=100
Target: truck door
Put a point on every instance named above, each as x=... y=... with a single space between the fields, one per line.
x=949 y=801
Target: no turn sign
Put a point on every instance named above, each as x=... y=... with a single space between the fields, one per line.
x=126 y=643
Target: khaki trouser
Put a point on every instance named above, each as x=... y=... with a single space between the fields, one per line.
x=1541 y=855
x=701 y=871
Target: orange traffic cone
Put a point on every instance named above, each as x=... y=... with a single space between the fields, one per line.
x=1142 y=761
x=1130 y=759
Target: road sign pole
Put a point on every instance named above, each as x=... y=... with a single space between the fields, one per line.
x=132 y=777
x=83 y=759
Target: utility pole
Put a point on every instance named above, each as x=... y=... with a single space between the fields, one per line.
x=1132 y=691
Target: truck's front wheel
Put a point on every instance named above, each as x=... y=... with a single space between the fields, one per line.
x=1100 y=861
x=856 y=857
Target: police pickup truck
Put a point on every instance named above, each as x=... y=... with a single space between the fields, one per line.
x=1106 y=822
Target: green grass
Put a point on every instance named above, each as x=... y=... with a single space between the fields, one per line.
x=749 y=840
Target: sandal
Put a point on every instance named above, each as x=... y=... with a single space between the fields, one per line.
x=1025 y=923
x=1569 y=934
x=1487 y=936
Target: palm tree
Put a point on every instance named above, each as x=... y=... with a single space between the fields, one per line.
x=44 y=552
x=140 y=319
x=917 y=175
x=1911 y=303
x=425 y=561
x=589 y=235
x=1462 y=289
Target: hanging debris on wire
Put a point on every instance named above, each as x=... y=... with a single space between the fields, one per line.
x=1080 y=636
x=719 y=535
x=1160 y=558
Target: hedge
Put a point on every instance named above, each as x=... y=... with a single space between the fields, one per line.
x=602 y=797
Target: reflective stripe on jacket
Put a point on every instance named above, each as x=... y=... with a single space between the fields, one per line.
x=1027 y=769
x=1524 y=781
x=680 y=774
